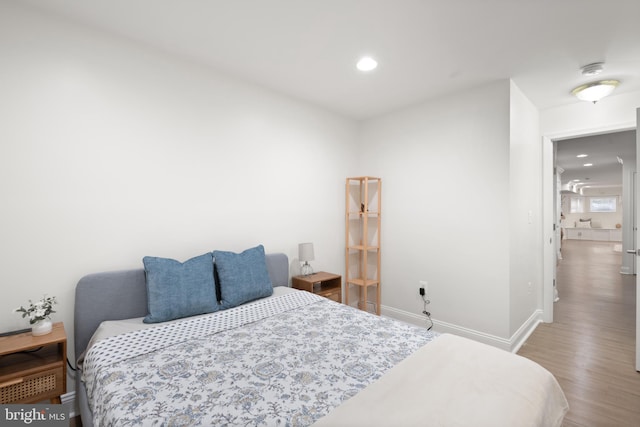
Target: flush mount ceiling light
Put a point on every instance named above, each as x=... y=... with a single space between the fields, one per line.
x=588 y=164
x=367 y=64
x=582 y=155
x=595 y=91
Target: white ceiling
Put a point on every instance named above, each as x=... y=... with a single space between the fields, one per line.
x=308 y=49
x=603 y=152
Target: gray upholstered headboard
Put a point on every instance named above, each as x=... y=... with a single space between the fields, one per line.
x=123 y=295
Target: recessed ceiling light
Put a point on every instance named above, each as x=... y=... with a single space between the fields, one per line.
x=588 y=164
x=367 y=64
x=582 y=155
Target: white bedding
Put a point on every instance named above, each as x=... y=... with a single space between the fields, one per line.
x=460 y=383
x=286 y=360
x=293 y=358
x=111 y=328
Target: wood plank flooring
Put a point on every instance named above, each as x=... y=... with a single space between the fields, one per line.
x=590 y=347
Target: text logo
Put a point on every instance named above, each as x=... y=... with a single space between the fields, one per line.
x=34 y=415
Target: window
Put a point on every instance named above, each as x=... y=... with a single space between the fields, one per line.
x=602 y=204
x=577 y=205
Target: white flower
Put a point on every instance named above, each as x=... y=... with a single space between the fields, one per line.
x=38 y=311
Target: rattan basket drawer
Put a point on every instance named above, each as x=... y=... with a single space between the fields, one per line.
x=33 y=388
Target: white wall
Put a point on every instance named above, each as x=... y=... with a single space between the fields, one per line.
x=111 y=151
x=437 y=160
x=617 y=112
x=629 y=262
x=525 y=218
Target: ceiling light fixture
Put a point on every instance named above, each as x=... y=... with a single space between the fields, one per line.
x=595 y=91
x=582 y=155
x=588 y=164
x=367 y=64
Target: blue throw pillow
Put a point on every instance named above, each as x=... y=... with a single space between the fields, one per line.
x=179 y=289
x=242 y=277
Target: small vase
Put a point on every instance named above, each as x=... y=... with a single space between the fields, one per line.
x=43 y=327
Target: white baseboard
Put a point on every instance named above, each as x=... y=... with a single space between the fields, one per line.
x=512 y=344
x=525 y=330
x=69 y=399
x=625 y=270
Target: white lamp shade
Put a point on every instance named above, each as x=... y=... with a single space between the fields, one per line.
x=305 y=252
x=594 y=92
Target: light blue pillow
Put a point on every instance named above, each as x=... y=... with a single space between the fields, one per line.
x=242 y=277
x=179 y=289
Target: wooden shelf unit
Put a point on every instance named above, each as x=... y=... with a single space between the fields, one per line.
x=325 y=284
x=33 y=369
x=363 y=215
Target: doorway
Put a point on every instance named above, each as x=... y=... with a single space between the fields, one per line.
x=550 y=202
x=595 y=195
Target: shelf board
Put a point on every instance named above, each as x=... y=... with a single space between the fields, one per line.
x=26 y=341
x=363 y=282
x=359 y=178
x=372 y=213
x=363 y=248
x=24 y=363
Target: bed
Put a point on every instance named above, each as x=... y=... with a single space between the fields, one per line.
x=289 y=358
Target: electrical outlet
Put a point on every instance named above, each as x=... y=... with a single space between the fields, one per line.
x=424 y=285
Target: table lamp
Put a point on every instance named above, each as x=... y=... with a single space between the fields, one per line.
x=305 y=254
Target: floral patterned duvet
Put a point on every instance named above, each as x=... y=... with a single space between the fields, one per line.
x=282 y=361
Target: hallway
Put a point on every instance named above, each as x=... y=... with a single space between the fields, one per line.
x=590 y=347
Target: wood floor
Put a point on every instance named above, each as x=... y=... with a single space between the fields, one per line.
x=590 y=347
